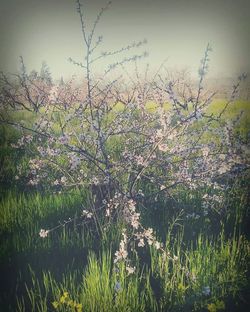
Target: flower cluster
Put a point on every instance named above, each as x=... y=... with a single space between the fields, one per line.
x=130 y=215
x=122 y=253
x=87 y=214
x=65 y=301
x=43 y=233
x=26 y=139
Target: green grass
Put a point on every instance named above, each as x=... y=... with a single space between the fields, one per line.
x=71 y=261
x=22 y=217
x=216 y=263
x=212 y=262
x=94 y=288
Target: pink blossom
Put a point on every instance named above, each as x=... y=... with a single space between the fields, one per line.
x=43 y=233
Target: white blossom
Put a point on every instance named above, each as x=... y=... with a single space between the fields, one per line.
x=43 y=233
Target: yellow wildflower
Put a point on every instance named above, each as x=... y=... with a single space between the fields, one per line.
x=65 y=294
x=62 y=299
x=79 y=307
x=55 y=304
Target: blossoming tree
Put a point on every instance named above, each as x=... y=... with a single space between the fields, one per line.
x=101 y=137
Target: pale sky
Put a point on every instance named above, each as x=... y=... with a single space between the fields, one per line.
x=178 y=30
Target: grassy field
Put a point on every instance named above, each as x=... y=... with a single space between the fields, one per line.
x=71 y=266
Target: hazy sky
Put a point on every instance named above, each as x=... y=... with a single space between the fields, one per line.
x=178 y=30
